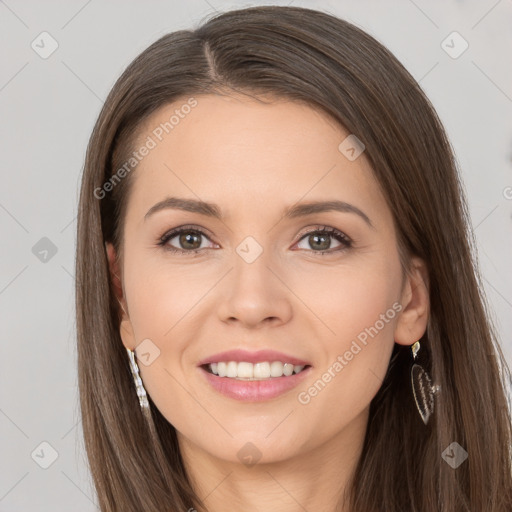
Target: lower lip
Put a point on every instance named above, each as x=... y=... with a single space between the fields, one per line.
x=254 y=390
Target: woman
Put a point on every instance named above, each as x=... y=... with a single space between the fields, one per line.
x=277 y=304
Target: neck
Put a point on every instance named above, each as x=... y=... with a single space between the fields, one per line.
x=313 y=478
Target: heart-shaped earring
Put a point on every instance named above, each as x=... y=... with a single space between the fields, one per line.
x=422 y=388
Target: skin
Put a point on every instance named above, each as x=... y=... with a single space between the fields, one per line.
x=254 y=159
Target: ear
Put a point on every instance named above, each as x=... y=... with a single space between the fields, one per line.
x=125 y=326
x=415 y=300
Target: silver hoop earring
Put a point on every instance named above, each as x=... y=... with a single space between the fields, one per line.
x=139 y=386
x=422 y=388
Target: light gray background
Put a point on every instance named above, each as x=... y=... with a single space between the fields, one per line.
x=48 y=108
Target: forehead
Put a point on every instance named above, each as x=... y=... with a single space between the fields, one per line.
x=250 y=154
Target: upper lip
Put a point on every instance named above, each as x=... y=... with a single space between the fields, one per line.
x=239 y=355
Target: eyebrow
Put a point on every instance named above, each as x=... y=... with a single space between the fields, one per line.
x=293 y=212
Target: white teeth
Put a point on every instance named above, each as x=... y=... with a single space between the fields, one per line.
x=258 y=371
x=288 y=369
x=276 y=369
x=231 y=369
x=244 y=371
x=261 y=370
x=221 y=369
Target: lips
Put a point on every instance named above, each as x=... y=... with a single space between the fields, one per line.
x=240 y=356
x=255 y=390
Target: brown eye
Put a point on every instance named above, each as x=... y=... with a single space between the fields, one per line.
x=189 y=240
x=320 y=240
x=183 y=240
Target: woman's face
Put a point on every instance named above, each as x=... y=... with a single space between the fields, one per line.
x=265 y=276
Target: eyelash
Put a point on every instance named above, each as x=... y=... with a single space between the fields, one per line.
x=334 y=233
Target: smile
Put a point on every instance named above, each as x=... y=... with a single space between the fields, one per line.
x=256 y=388
x=257 y=371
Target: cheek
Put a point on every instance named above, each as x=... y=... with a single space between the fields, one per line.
x=349 y=296
x=357 y=307
x=165 y=302
x=161 y=304
x=161 y=295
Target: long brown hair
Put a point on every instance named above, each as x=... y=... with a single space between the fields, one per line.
x=313 y=57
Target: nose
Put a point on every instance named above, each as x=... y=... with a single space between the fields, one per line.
x=255 y=294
